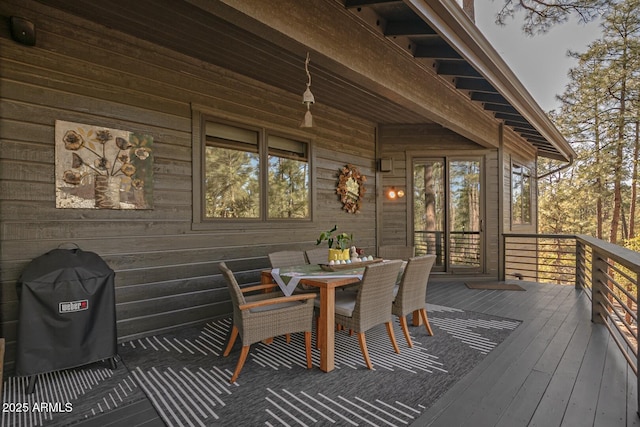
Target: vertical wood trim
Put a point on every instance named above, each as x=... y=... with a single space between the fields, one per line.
x=501 y=202
x=409 y=198
x=484 y=194
x=198 y=162
x=379 y=189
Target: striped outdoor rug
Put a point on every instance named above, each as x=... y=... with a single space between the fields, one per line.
x=186 y=378
x=66 y=397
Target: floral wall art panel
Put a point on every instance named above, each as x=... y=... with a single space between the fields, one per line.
x=101 y=168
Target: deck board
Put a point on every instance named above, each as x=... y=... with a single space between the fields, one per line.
x=526 y=400
x=581 y=405
x=137 y=414
x=552 y=404
x=612 y=399
x=556 y=369
x=632 y=399
x=517 y=366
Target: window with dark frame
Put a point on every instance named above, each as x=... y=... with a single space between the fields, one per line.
x=253 y=174
x=520 y=195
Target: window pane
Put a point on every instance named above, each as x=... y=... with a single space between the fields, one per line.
x=288 y=179
x=526 y=196
x=232 y=173
x=464 y=213
x=521 y=194
x=429 y=208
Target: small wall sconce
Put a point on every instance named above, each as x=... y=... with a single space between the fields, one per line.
x=307 y=98
x=385 y=164
x=393 y=194
x=23 y=31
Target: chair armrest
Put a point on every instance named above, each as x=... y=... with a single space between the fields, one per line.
x=264 y=287
x=279 y=300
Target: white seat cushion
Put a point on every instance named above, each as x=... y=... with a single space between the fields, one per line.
x=345 y=303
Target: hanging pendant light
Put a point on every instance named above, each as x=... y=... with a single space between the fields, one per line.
x=307 y=98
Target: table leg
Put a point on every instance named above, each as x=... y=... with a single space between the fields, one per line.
x=266 y=279
x=327 y=317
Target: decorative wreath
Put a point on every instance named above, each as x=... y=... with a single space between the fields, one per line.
x=351 y=188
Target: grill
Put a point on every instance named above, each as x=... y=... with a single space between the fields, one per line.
x=67 y=313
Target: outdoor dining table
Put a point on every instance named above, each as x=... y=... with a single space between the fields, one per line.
x=288 y=278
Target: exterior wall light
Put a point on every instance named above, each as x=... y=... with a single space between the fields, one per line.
x=393 y=194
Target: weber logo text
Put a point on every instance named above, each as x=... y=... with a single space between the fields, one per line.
x=73 y=306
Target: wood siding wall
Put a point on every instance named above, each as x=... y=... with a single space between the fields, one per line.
x=403 y=143
x=166 y=273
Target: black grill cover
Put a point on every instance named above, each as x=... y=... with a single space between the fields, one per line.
x=67 y=312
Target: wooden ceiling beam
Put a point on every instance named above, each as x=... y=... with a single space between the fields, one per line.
x=516 y=118
x=476 y=85
x=549 y=150
x=529 y=134
x=408 y=28
x=493 y=98
x=457 y=68
x=501 y=109
x=527 y=131
x=350 y=4
x=435 y=49
x=514 y=125
x=537 y=140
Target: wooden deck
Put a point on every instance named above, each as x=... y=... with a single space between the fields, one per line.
x=556 y=369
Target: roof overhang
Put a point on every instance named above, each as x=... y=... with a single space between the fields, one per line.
x=451 y=74
x=442 y=32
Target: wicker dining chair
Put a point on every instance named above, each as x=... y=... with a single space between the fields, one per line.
x=370 y=305
x=287 y=258
x=317 y=256
x=396 y=252
x=410 y=294
x=262 y=319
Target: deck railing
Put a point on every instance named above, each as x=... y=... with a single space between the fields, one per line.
x=608 y=274
x=545 y=258
x=464 y=247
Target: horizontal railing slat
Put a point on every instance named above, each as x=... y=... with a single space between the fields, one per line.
x=607 y=273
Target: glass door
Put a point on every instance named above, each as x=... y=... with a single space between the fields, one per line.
x=447 y=214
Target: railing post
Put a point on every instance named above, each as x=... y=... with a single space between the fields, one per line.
x=598 y=281
x=581 y=263
x=638 y=350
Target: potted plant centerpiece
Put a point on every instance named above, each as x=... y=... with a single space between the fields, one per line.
x=342 y=243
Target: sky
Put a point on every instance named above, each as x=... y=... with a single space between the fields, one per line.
x=540 y=61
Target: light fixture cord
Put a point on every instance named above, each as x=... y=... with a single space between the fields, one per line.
x=306 y=68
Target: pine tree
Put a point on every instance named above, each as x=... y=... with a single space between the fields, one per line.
x=541 y=15
x=598 y=112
